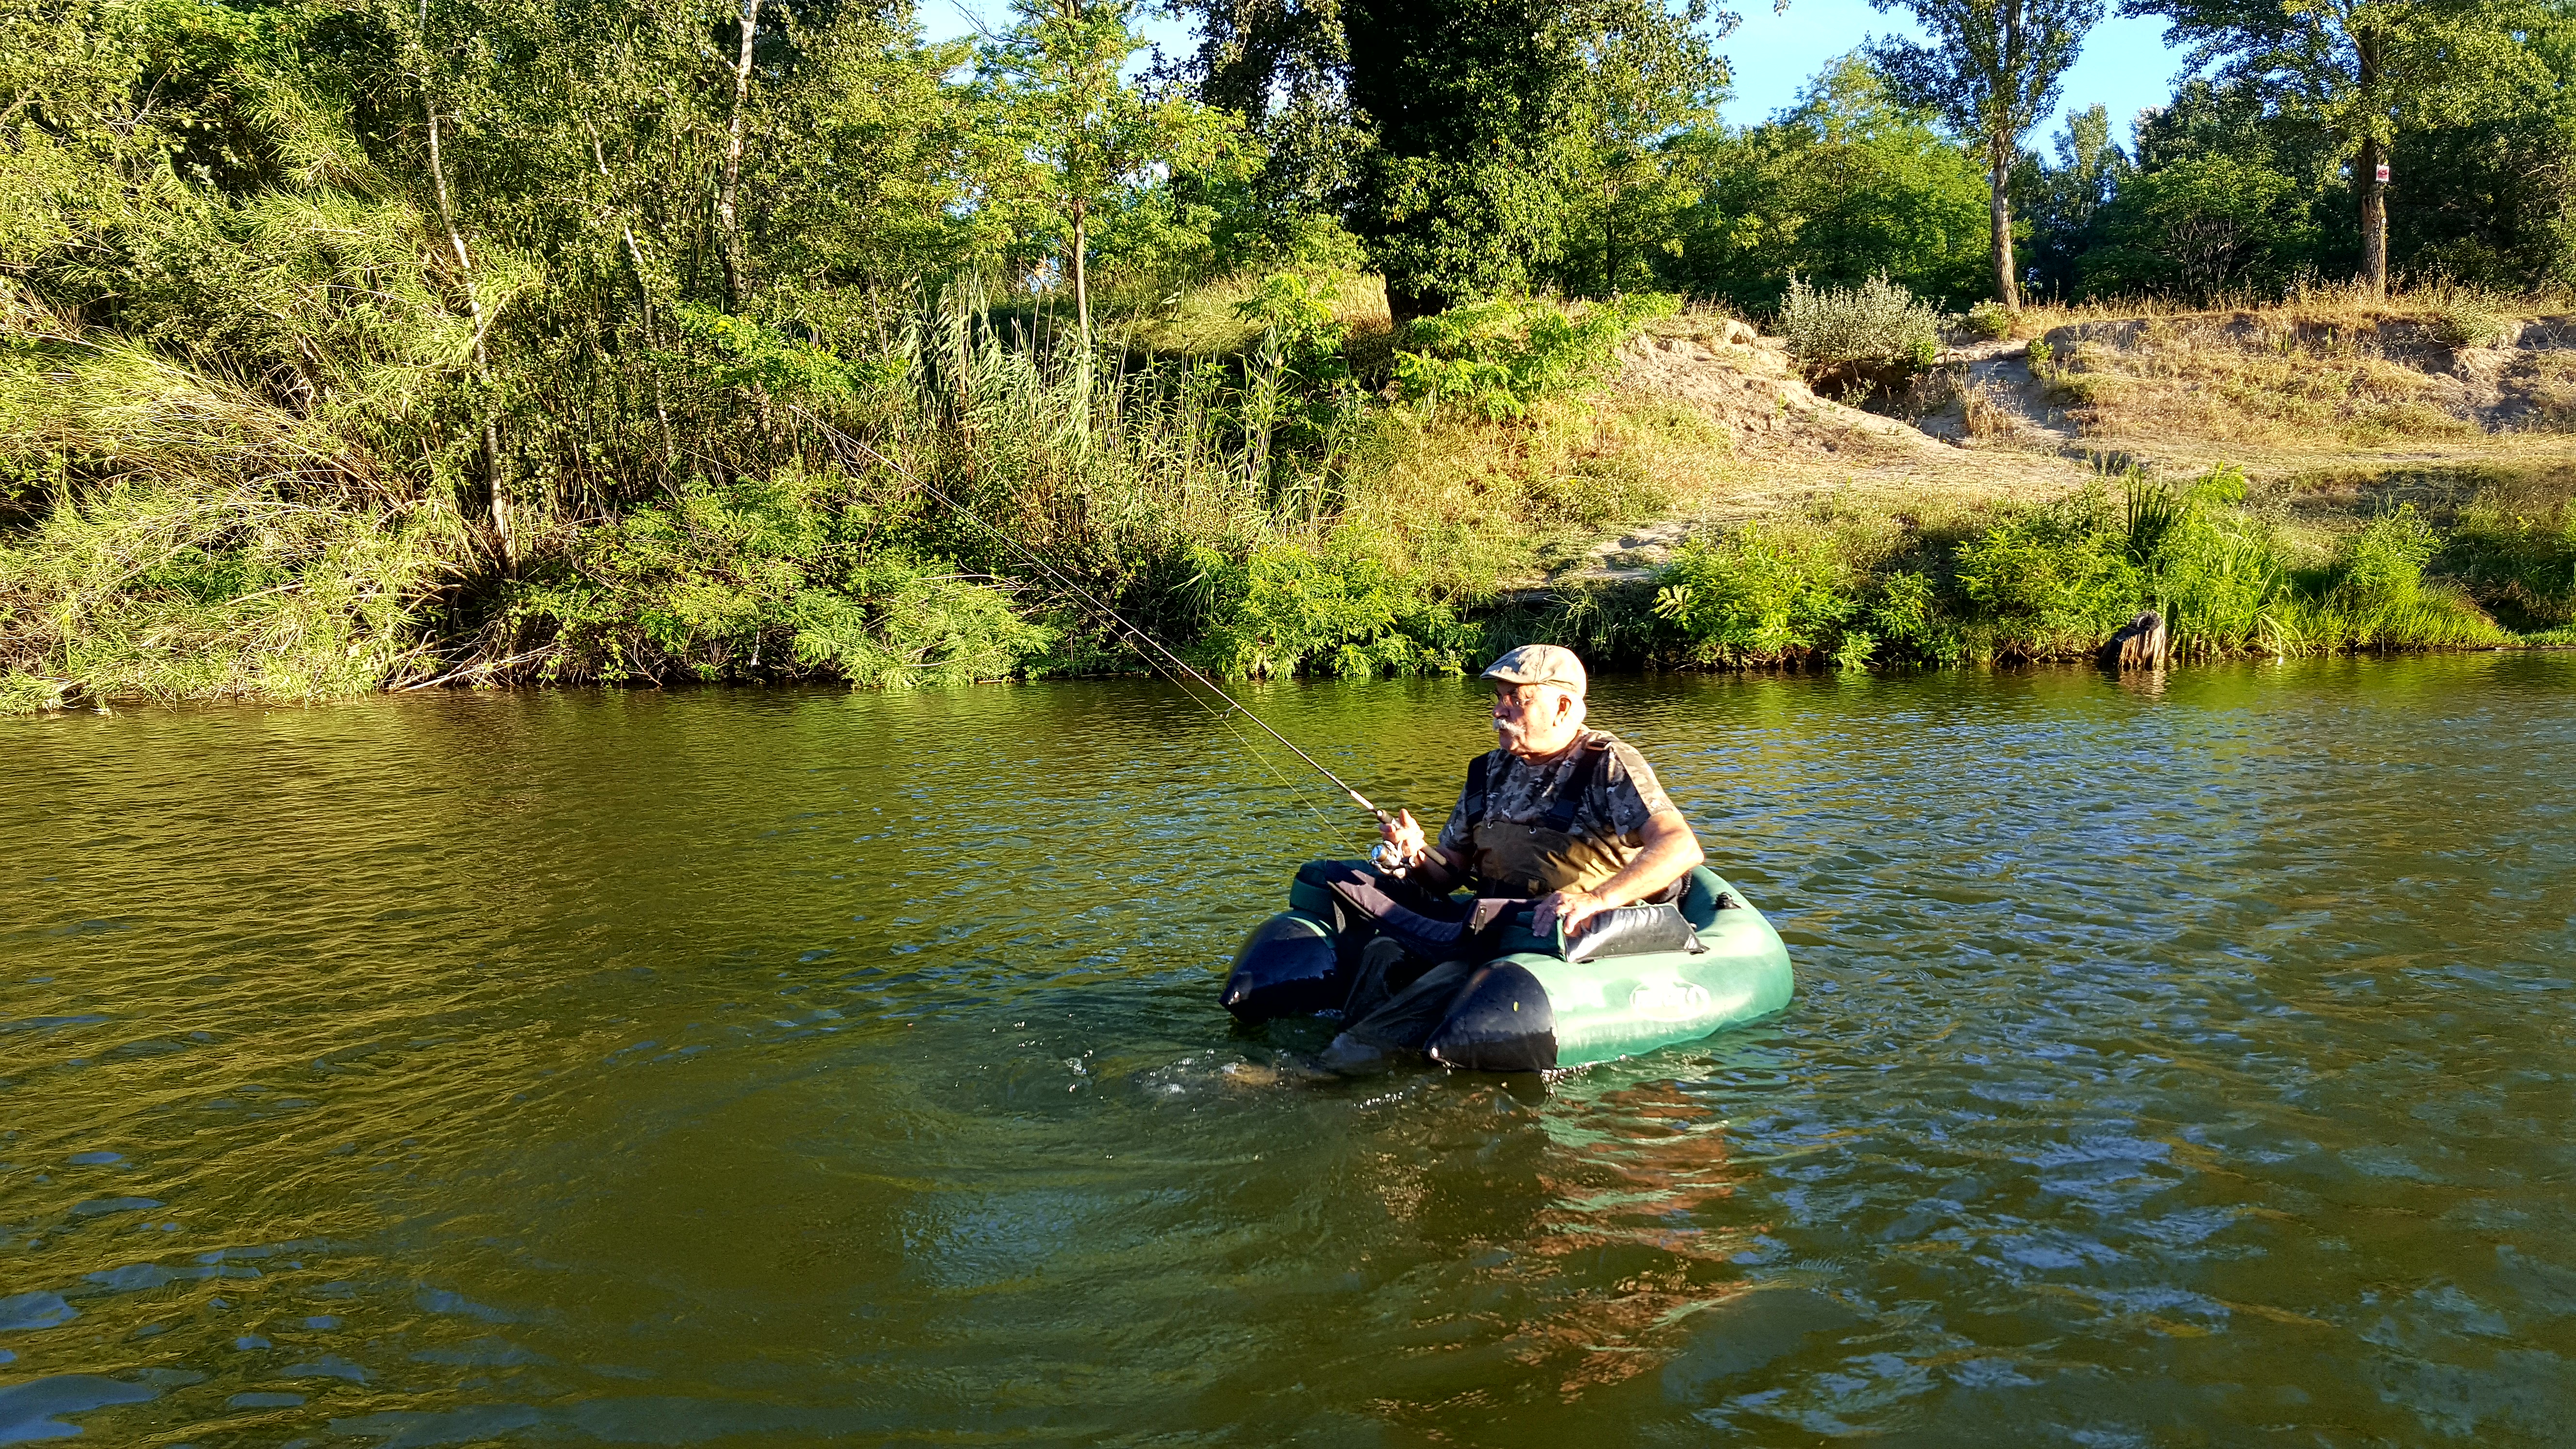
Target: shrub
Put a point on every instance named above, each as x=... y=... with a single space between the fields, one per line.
x=1989 y=320
x=2053 y=580
x=2374 y=595
x=2463 y=317
x=1877 y=321
x=1277 y=608
x=2519 y=562
x=1494 y=359
x=2212 y=570
x=791 y=577
x=1751 y=594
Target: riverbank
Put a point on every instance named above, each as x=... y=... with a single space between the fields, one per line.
x=1267 y=475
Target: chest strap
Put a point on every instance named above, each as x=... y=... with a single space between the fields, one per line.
x=1562 y=810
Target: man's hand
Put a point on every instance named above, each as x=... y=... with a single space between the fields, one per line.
x=1404 y=835
x=1574 y=907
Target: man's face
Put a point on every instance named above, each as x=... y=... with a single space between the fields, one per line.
x=1532 y=718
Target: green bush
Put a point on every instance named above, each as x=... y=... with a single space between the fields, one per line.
x=2466 y=318
x=1495 y=359
x=1278 y=608
x=2519 y=562
x=791 y=577
x=1756 y=595
x=2053 y=580
x=2374 y=594
x=1989 y=320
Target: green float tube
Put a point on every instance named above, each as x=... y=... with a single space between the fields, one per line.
x=1538 y=1005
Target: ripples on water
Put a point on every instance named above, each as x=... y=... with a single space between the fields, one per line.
x=2168 y=1068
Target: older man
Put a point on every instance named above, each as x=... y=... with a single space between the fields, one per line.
x=1567 y=817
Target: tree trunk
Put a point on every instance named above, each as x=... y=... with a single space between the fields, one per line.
x=728 y=220
x=496 y=488
x=2374 y=217
x=1081 y=272
x=1999 y=159
x=2374 y=192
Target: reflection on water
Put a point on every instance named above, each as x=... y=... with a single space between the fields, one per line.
x=2179 y=1066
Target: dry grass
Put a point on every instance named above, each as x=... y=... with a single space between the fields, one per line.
x=1473 y=503
x=2553 y=392
x=2327 y=366
x=2346 y=306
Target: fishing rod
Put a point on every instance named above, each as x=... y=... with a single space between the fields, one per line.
x=1147 y=641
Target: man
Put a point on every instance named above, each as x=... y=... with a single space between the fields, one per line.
x=1568 y=818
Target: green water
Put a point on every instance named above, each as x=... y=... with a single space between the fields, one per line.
x=2181 y=1068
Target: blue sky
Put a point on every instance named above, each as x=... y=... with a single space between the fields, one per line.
x=2125 y=65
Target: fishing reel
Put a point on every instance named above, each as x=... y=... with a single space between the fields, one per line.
x=1389 y=860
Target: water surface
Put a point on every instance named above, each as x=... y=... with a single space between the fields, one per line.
x=2169 y=1067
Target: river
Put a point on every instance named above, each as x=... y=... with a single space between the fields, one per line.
x=2169 y=1066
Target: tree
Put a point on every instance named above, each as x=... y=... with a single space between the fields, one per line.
x=1847 y=184
x=2062 y=202
x=1075 y=134
x=1991 y=72
x=2198 y=227
x=1647 y=84
x=2365 y=71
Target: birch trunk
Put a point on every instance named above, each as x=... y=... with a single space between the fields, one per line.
x=728 y=219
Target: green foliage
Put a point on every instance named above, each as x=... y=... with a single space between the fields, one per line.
x=2517 y=558
x=2061 y=201
x=1848 y=185
x=1278 y=608
x=1496 y=359
x=2050 y=581
x=761 y=359
x=1989 y=320
x=2199 y=226
x=2055 y=581
x=1071 y=136
x=2468 y=317
x=1992 y=70
x=2364 y=72
x=2374 y=594
x=23 y=693
x=1493 y=124
x=1877 y=321
x=778 y=578
x=1752 y=594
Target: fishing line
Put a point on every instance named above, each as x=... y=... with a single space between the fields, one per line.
x=1178 y=670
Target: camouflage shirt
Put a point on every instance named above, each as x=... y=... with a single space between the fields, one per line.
x=1623 y=793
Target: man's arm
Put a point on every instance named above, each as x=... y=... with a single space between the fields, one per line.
x=1671 y=852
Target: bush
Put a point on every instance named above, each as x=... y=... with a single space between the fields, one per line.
x=2462 y=317
x=789 y=578
x=2053 y=580
x=1495 y=359
x=1989 y=320
x=2519 y=562
x=1277 y=608
x=1875 y=322
x=1752 y=594
x=2374 y=594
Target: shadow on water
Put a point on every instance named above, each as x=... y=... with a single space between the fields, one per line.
x=2169 y=1066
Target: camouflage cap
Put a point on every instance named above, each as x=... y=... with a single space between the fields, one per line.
x=1541 y=664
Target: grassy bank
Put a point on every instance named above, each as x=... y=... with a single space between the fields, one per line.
x=1266 y=476
x=937 y=511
